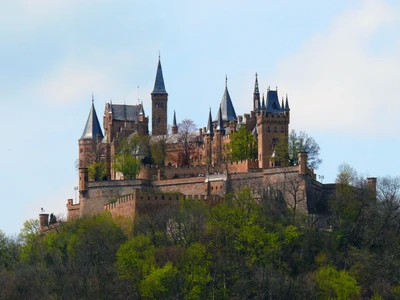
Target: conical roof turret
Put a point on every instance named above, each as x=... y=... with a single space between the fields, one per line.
x=159 y=86
x=174 y=120
x=263 y=103
x=210 y=129
x=220 y=122
x=227 y=110
x=92 y=128
x=287 y=103
x=141 y=109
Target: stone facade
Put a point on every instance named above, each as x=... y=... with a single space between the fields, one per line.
x=209 y=175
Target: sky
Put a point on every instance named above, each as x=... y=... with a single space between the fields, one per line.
x=338 y=61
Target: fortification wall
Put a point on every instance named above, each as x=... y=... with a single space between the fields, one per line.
x=149 y=172
x=73 y=209
x=140 y=203
x=100 y=193
x=242 y=166
x=123 y=206
x=186 y=186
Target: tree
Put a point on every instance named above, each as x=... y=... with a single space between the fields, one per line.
x=158 y=149
x=288 y=148
x=129 y=153
x=186 y=131
x=97 y=170
x=243 y=145
x=338 y=284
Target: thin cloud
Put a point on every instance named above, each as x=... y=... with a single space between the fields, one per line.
x=337 y=82
x=69 y=82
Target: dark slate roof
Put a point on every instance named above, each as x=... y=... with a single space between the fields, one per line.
x=92 y=128
x=174 y=120
x=141 y=109
x=210 y=129
x=220 y=122
x=227 y=109
x=123 y=112
x=263 y=103
x=287 y=103
x=159 y=86
x=272 y=104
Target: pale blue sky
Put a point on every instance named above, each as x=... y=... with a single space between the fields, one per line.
x=339 y=61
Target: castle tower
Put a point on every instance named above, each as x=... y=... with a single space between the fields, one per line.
x=219 y=133
x=91 y=137
x=272 y=126
x=159 y=99
x=256 y=96
x=209 y=134
x=174 y=127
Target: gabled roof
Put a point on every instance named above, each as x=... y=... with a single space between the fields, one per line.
x=226 y=106
x=92 y=128
x=123 y=112
x=272 y=104
x=159 y=86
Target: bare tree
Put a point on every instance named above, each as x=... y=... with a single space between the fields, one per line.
x=186 y=131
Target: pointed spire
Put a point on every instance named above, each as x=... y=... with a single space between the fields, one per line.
x=282 y=106
x=263 y=103
x=228 y=111
x=92 y=128
x=256 y=90
x=220 y=122
x=159 y=86
x=141 y=109
x=174 y=120
x=210 y=129
x=287 y=103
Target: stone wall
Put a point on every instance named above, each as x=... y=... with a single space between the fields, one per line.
x=140 y=203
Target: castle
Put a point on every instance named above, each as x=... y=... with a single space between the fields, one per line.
x=208 y=175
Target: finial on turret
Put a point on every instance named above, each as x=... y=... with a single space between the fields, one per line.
x=268 y=89
x=226 y=80
x=92 y=98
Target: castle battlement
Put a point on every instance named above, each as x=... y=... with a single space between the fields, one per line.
x=128 y=205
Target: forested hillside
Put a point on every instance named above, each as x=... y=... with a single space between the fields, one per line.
x=241 y=248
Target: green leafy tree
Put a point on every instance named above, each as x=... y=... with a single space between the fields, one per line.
x=129 y=155
x=158 y=284
x=288 y=148
x=334 y=284
x=195 y=266
x=243 y=145
x=97 y=170
x=127 y=164
x=158 y=150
